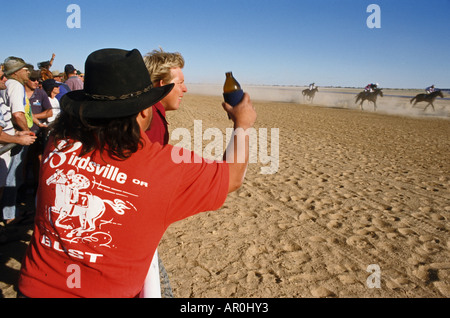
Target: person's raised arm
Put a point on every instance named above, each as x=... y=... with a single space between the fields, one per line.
x=243 y=116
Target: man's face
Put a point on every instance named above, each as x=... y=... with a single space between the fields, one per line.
x=32 y=83
x=22 y=75
x=173 y=99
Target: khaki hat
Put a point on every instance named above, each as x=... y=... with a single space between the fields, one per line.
x=13 y=64
x=57 y=73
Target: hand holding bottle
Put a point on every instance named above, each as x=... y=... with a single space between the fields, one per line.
x=243 y=114
x=237 y=153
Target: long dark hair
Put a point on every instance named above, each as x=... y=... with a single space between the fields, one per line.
x=119 y=137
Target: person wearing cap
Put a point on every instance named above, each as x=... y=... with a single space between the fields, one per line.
x=107 y=193
x=63 y=88
x=73 y=81
x=371 y=87
x=18 y=117
x=430 y=89
x=51 y=87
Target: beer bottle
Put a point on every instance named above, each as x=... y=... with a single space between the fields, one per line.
x=232 y=92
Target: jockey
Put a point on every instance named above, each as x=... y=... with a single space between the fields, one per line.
x=312 y=86
x=430 y=89
x=371 y=87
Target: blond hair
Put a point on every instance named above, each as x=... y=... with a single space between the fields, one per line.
x=159 y=64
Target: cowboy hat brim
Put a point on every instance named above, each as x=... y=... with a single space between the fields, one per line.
x=80 y=104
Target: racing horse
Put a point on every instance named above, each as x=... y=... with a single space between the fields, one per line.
x=370 y=96
x=310 y=93
x=427 y=98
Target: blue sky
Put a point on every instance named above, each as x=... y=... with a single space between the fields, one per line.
x=283 y=42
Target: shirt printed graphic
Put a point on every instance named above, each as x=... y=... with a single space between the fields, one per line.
x=71 y=202
x=77 y=212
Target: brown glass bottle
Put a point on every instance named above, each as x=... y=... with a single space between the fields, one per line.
x=232 y=91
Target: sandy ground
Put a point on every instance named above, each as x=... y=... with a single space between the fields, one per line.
x=359 y=206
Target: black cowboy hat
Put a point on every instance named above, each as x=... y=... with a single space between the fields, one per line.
x=117 y=84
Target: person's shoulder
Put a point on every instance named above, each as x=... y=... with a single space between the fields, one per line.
x=12 y=83
x=40 y=92
x=155 y=150
x=63 y=88
x=14 y=88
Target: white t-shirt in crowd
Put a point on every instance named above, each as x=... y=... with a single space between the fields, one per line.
x=55 y=108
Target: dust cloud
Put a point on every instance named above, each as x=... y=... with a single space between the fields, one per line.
x=395 y=102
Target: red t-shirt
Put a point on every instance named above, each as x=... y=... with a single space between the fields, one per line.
x=98 y=224
x=158 y=131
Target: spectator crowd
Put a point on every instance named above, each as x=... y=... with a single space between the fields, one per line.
x=29 y=102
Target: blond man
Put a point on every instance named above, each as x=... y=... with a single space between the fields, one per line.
x=165 y=68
